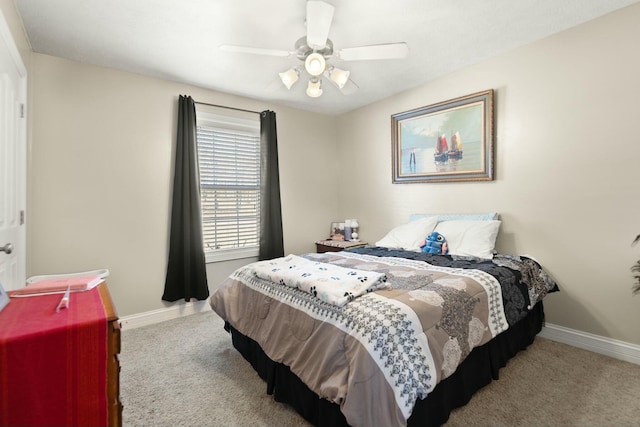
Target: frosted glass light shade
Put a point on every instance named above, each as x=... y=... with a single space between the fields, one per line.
x=315 y=64
x=289 y=77
x=339 y=77
x=314 y=89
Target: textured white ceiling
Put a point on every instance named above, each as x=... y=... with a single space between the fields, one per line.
x=179 y=40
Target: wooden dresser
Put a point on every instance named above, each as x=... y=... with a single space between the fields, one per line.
x=60 y=368
x=113 y=360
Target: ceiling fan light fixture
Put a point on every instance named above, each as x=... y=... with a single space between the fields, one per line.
x=315 y=48
x=314 y=88
x=289 y=77
x=315 y=64
x=340 y=77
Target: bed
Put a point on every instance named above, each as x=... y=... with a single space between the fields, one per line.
x=383 y=335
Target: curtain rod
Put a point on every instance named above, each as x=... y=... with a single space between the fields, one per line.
x=229 y=108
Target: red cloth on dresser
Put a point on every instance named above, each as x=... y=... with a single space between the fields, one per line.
x=53 y=366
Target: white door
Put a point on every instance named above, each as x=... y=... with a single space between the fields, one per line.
x=13 y=88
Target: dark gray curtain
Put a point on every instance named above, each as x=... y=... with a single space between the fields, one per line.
x=186 y=272
x=271 y=243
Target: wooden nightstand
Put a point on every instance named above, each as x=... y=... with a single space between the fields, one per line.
x=336 y=245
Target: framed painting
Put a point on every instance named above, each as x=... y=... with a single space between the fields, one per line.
x=445 y=142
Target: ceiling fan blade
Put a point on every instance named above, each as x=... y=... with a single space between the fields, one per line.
x=319 y=17
x=378 y=51
x=254 y=50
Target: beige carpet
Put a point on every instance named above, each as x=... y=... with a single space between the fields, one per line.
x=553 y=384
x=185 y=372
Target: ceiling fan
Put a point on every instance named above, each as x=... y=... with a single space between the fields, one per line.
x=316 y=50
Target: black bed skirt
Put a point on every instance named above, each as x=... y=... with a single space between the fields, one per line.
x=476 y=371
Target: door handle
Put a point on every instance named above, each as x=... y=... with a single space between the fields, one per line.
x=8 y=248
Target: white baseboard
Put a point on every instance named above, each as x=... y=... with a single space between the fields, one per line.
x=609 y=347
x=160 y=315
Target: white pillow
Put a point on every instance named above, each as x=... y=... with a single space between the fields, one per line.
x=470 y=238
x=409 y=236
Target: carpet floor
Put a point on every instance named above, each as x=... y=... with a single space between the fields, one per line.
x=185 y=372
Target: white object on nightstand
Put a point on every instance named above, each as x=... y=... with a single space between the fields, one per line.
x=354 y=230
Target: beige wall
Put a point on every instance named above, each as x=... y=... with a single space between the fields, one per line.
x=567 y=170
x=100 y=175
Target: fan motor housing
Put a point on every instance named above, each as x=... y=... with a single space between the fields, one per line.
x=303 y=49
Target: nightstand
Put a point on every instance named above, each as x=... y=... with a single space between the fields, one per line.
x=336 y=245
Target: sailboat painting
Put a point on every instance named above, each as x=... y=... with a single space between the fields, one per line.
x=427 y=143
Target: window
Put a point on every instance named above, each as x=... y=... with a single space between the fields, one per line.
x=229 y=161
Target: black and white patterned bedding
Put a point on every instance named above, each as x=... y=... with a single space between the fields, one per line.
x=385 y=349
x=524 y=282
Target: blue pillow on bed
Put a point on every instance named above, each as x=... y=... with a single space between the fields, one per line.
x=489 y=216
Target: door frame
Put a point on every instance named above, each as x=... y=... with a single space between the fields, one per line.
x=7 y=42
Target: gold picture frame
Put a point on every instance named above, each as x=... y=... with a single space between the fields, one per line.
x=450 y=141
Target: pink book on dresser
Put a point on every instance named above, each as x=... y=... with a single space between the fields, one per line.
x=59 y=285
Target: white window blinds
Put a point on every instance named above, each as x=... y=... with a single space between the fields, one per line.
x=229 y=161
